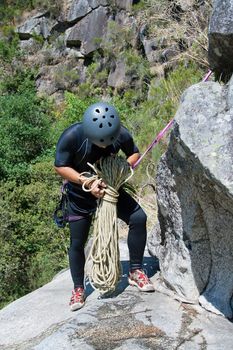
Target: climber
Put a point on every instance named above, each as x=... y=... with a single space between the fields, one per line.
x=100 y=134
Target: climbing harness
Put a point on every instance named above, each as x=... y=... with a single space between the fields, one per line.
x=61 y=215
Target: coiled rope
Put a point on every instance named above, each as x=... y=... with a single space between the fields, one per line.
x=104 y=254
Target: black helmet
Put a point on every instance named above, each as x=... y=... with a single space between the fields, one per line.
x=101 y=124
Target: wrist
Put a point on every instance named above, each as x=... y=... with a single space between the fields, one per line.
x=81 y=179
x=84 y=180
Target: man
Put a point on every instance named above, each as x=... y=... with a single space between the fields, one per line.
x=99 y=135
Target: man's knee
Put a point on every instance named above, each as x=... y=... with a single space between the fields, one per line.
x=138 y=218
x=76 y=245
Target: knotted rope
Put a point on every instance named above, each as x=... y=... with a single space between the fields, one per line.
x=104 y=253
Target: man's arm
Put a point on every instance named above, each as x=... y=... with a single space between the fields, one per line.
x=128 y=146
x=72 y=175
x=133 y=158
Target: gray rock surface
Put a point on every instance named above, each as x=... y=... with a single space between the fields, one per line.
x=83 y=26
x=124 y=5
x=39 y=24
x=117 y=76
x=58 y=77
x=96 y=3
x=220 y=49
x=89 y=31
x=151 y=49
x=29 y=46
x=78 y=9
x=128 y=320
x=194 y=238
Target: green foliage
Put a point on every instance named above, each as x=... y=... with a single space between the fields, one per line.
x=137 y=68
x=95 y=85
x=74 y=108
x=119 y=38
x=140 y=5
x=53 y=6
x=165 y=96
x=11 y=9
x=9 y=45
x=38 y=38
x=17 y=80
x=32 y=249
x=24 y=129
x=64 y=77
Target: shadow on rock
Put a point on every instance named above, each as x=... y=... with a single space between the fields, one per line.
x=150 y=266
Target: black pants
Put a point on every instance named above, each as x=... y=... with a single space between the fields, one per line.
x=130 y=212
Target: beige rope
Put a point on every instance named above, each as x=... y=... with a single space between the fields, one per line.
x=104 y=253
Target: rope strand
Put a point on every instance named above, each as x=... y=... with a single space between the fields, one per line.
x=104 y=254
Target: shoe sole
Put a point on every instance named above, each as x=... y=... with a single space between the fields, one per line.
x=76 y=306
x=148 y=288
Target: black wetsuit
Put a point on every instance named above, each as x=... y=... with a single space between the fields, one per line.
x=75 y=150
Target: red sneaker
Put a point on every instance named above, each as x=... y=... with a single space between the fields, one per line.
x=77 y=299
x=139 y=279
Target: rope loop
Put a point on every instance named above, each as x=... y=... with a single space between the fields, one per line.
x=104 y=254
x=111 y=195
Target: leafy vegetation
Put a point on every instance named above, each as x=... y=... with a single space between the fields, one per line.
x=9 y=45
x=24 y=128
x=32 y=249
x=12 y=9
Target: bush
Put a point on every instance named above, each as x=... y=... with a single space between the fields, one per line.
x=12 y=9
x=17 y=80
x=72 y=112
x=9 y=48
x=32 y=248
x=24 y=130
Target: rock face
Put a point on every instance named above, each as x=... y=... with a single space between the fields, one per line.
x=39 y=24
x=194 y=237
x=88 y=32
x=129 y=320
x=117 y=77
x=82 y=29
x=78 y=10
x=221 y=39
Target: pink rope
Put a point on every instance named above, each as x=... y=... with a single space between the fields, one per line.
x=207 y=76
x=156 y=140
x=162 y=132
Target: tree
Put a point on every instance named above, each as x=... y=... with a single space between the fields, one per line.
x=24 y=131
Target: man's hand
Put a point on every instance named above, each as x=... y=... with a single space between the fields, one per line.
x=98 y=188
